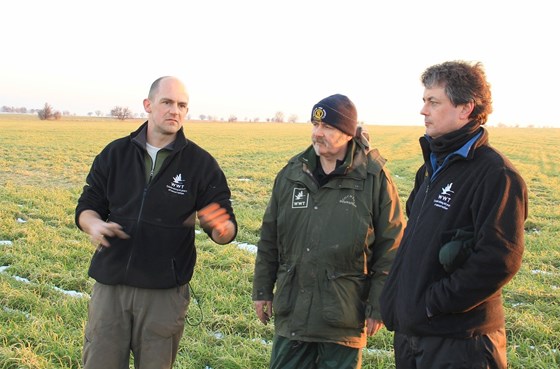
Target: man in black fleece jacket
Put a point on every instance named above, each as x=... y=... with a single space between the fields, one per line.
x=138 y=207
x=464 y=238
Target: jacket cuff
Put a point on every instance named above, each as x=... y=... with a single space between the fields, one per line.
x=262 y=295
x=372 y=312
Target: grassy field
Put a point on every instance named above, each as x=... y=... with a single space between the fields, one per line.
x=44 y=285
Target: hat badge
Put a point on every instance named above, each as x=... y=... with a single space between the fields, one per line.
x=319 y=114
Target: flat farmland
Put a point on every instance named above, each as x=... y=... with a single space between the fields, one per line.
x=44 y=286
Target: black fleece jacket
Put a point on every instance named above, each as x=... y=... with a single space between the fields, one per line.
x=480 y=192
x=160 y=252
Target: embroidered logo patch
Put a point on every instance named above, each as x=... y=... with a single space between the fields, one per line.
x=177 y=185
x=349 y=200
x=300 y=198
x=319 y=114
x=443 y=200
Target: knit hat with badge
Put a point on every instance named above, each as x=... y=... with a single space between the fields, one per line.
x=337 y=111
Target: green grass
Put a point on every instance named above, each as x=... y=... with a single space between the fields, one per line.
x=42 y=170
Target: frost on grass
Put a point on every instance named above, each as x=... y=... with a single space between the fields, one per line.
x=543 y=272
x=6 y=243
x=25 y=280
x=241 y=245
x=16 y=312
x=245 y=246
x=71 y=293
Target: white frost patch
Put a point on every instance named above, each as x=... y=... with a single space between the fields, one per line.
x=6 y=243
x=219 y=335
x=543 y=272
x=21 y=279
x=25 y=280
x=246 y=246
x=518 y=304
x=378 y=352
x=197 y=231
x=244 y=179
x=534 y=348
x=264 y=342
x=71 y=292
x=14 y=311
x=19 y=220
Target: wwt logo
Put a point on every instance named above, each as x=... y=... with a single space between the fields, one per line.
x=443 y=200
x=177 y=185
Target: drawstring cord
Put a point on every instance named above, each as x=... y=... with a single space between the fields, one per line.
x=199 y=304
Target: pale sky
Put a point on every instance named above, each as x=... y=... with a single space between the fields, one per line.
x=253 y=58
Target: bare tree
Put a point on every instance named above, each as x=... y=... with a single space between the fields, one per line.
x=48 y=113
x=232 y=118
x=121 y=113
x=292 y=118
x=98 y=113
x=278 y=117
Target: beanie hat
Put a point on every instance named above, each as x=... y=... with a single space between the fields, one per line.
x=337 y=111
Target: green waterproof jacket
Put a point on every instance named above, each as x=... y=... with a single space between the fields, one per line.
x=325 y=252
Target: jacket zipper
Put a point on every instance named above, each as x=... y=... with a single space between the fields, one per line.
x=423 y=200
x=139 y=216
x=421 y=207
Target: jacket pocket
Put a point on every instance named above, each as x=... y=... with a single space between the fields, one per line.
x=341 y=294
x=283 y=300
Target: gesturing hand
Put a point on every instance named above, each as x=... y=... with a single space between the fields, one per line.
x=214 y=217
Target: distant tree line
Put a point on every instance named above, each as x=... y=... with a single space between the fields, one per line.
x=22 y=110
x=123 y=113
x=277 y=118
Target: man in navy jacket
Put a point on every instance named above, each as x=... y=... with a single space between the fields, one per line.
x=464 y=238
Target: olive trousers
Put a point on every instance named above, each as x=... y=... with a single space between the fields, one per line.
x=148 y=322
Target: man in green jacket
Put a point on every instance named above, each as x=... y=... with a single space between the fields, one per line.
x=328 y=239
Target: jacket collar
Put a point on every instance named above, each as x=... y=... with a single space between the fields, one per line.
x=310 y=159
x=466 y=152
x=356 y=165
x=139 y=137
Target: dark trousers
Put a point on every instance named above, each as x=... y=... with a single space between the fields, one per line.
x=479 y=352
x=287 y=354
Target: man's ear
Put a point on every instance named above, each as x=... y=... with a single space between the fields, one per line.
x=466 y=110
x=147 y=105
